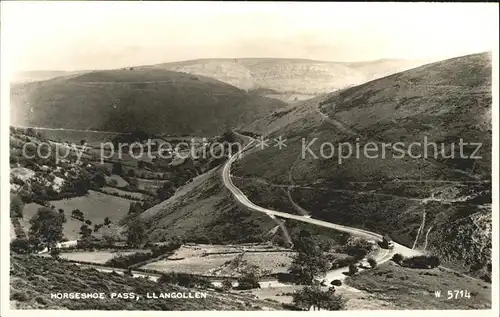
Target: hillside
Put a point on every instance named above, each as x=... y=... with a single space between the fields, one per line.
x=34 y=278
x=289 y=79
x=125 y=100
x=439 y=204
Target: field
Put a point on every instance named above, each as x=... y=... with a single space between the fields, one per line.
x=415 y=288
x=95 y=206
x=224 y=260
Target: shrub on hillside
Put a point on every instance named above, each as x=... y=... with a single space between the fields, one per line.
x=126 y=261
x=227 y=284
x=21 y=246
x=184 y=279
x=372 y=262
x=353 y=269
x=357 y=247
x=421 y=262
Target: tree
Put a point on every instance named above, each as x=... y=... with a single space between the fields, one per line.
x=397 y=258
x=16 y=206
x=135 y=233
x=46 y=227
x=88 y=222
x=353 y=269
x=313 y=296
x=107 y=222
x=309 y=261
x=372 y=262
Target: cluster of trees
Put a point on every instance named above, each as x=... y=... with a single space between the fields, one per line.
x=16 y=206
x=185 y=280
x=78 y=215
x=124 y=261
x=249 y=280
x=309 y=262
x=314 y=297
x=357 y=247
x=417 y=262
x=136 y=233
x=46 y=228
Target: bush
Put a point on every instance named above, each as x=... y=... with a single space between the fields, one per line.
x=372 y=262
x=126 y=261
x=421 y=262
x=185 y=280
x=158 y=250
x=353 y=269
x=357 y=247
x=397 y=258
x=315 y=297
x=19 y=296
x=16 y=206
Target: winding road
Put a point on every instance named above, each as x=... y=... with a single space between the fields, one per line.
x=381 y=257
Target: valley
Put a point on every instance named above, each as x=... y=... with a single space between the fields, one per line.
x=253 y=225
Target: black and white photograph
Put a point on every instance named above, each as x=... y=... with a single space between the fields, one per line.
x=249 y=156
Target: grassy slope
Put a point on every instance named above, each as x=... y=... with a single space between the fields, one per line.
x=205 y=209
x=38 y=277
x=123 y=100
x=446 y=101
x=414 y=288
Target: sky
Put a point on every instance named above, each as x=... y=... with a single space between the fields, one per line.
x=106 y=35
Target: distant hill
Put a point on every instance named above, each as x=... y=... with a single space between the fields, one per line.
x=441 y=205
x=300 y=78
x=153 y=100
x=39 y=75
